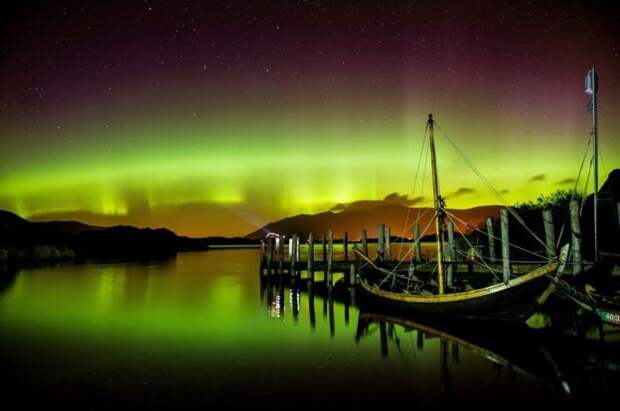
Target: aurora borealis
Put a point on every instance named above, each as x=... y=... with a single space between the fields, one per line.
x=214 y=118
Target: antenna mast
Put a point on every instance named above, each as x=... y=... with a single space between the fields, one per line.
x=592 y=89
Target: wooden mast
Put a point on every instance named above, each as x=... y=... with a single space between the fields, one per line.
x=438 y=207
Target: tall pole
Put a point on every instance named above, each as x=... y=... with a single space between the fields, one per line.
x=595 y=138
x=592 y=89
x=438 y=206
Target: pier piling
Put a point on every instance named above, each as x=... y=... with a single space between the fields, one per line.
x=416 y=242
x=263 y=257
x=270 y=242
x=491 y=238
x=293 y=253
x=503 y=216
x=330 y=257
x=380 y=242
x=310 y=260
x=364 y=237
x=345 y=245
x=549 y=234
x=451 y=254
x=575 y=237
x=297 y=248
x=290 y=249
x=387 y=251
x=279 y=253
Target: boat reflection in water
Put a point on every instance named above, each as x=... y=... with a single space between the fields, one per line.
x=466 y=360
x=524 y=360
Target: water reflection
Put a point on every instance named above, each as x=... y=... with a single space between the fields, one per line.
x=204 y=327
x=509 y=354
x=7 y=277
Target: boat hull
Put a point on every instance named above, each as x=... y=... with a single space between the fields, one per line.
x=510 y=302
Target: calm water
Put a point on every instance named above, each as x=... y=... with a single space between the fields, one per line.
x=200 y=329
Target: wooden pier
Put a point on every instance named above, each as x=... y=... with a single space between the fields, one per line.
x=326 y=258
x=295 y=260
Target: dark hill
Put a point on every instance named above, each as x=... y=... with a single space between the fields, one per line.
x=608 y=218
x=68 y=227
x=18 y=232
x=24 y=240
x=368 y=215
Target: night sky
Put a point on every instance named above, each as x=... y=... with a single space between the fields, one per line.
x=218 y=117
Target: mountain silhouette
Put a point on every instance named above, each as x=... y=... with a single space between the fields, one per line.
x=21 y=239
x=368 y=215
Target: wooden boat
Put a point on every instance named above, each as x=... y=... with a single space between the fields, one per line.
x=512 y=299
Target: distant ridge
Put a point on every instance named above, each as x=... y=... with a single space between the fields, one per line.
x=368 y=215
x=22 y=240
x=69 y=227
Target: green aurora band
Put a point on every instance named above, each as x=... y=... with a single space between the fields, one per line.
x=210 y=121
x=263 y=166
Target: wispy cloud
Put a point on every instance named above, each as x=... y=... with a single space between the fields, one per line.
x=402 y=199
x=461 y=192
x=567 y=181
x=538 y=177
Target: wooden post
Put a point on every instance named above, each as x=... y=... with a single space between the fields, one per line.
x=549 y=234
x=503 y=215
x=270 y=243
x=416 y=243
x=576 y=237
x=298 y=251
x=352 y=276
x=263 y=255
x=451 y=253
x=380 y=241
x=311 y=257
x=279 y=253
x=410 y=273
x=345 y=245
x=365 y=242
x=293 y=253
x=330 y=256
x=387 y=252
x=491 y=238
x=324 y=249
x=290 y=248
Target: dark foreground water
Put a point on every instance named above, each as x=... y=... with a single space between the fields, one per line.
x=202 y=329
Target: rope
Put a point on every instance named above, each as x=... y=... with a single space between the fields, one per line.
x=572 y=197
x=470 y=244
x=415 y=183
x=492 y=188
x=499 y=238
x=585 y=189
x=393 y=270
